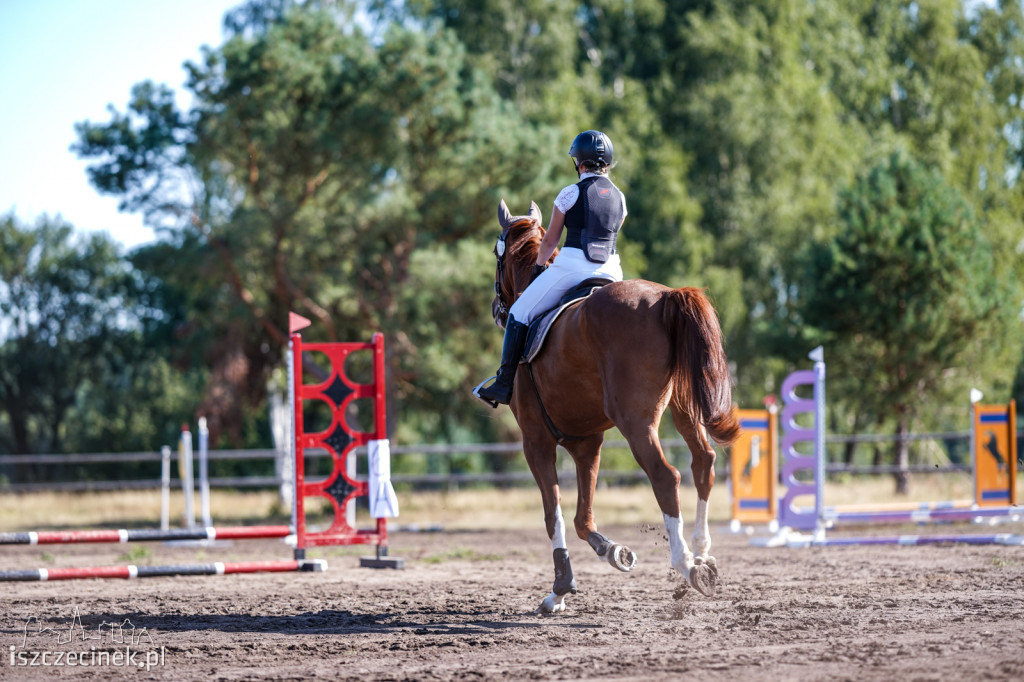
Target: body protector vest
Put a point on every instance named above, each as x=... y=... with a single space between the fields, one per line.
x=593 y=222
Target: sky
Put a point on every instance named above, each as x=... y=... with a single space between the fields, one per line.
x=65 y=61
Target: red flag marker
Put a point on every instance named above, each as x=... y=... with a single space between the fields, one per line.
x=296 y=322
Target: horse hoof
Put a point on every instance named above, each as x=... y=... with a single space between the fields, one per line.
x=622 y=558
x=708 y=561
x=704 y=579
x=551 y=604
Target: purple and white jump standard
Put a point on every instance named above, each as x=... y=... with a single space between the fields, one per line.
x=815 y=520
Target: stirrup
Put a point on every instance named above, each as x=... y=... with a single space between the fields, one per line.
x=487 y=401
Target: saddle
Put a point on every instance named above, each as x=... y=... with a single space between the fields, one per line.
x=539 y=328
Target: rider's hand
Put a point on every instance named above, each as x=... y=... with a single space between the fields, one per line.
x=537 y=269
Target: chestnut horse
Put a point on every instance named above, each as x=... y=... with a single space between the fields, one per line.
x=618 y=359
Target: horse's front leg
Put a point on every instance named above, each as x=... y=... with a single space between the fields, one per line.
x=587 y=455
x=565 y=582
x=540 y=456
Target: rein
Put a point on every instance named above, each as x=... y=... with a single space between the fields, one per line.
x=560 y=436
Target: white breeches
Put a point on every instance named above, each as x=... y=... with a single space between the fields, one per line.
x=569 y=268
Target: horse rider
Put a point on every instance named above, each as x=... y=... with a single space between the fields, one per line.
x=592 y=212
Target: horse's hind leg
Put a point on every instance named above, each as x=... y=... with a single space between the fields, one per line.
x=541 y=458
x=646 y=446
x=587 y=455
x=703 y=468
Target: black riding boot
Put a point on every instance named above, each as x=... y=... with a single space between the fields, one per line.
x=500 y=392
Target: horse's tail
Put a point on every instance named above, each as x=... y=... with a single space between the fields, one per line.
x=701 y=385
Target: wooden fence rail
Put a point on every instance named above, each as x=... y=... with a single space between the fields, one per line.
x=675 y=449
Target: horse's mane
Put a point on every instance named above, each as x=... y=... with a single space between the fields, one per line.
x=522 y=244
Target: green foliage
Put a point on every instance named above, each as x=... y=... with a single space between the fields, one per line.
x=579 y=80
x=60 y=301
x=351 y=173
x=768 y=148
x=81 y=368
x=328 y=161
x=904 y=290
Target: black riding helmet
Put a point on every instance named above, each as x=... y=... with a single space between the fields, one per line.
x=592 y=145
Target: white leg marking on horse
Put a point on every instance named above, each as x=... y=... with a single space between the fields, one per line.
x=558 y=539
x=701 y=534
x=553 y=603
x=681 y=557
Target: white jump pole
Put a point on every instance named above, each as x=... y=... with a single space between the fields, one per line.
x=165 y=488
x=281 y=429
x=818 y=355
x=185 y=472
x=204 y=473
x=292 y=477
x=976 y=397
x=350 y=470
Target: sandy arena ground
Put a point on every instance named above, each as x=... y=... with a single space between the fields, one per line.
x=463 y=609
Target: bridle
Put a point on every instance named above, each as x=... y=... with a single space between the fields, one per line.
x=499 y=310
x=500 y=307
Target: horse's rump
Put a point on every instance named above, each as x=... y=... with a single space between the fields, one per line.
x=630 y=342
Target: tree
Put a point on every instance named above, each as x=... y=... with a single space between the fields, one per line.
x=556 y=63
x=902 y=291
x=315 y=163
x=66 y=302
x=776 y=104
x=352 y=176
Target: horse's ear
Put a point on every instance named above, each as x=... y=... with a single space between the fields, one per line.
x=535 y=212
x=504 y=217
